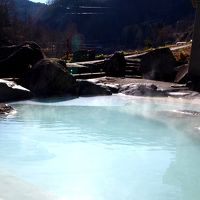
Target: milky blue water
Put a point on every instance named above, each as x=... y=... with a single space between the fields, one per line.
x=100 y=148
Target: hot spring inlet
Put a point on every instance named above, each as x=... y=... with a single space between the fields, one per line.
x=100 y=148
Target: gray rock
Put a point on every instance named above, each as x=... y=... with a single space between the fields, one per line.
x=159 y=65
x=115 y=66
x=10 y=91
x=87 y=88
x=50 y=77
x=149 y=90
x=114 y=88
x=6 y=109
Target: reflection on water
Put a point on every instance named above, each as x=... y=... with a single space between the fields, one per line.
x=78 y=150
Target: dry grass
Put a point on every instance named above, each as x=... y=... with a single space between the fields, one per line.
x=183 y=54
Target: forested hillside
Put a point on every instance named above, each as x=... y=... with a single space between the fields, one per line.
x=102 y=24
x=122 y=23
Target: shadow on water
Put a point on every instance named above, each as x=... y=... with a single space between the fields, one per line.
x=54 y=99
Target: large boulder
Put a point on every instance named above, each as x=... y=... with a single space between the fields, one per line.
x=158 y=64
x=9 y=91
x=87 y=88
x=115 y=66
x=15 y=61
x=50 y=77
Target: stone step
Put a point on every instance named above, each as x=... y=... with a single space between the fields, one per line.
x=133 y=76
x=132 y=67
x=133 y=64
x=89 y=75
x=134 y=60
x=132 y=72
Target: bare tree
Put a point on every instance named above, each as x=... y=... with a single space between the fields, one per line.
x=4 y=19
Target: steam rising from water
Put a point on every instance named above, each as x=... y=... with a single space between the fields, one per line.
x=100 y=148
